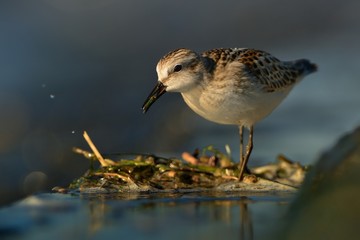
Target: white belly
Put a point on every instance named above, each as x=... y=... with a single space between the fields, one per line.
x=237 y=109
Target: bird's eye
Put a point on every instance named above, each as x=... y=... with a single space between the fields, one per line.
x=177 y=68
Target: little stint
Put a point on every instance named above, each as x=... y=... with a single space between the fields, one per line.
x=236 y=86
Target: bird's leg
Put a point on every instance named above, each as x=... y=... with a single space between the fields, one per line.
x=241 y=133
x=249 y=147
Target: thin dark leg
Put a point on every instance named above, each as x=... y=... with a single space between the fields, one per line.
x=241 y=132
x=249 y=147
x=250 y=144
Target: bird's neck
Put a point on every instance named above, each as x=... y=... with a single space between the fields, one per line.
x=192 y=98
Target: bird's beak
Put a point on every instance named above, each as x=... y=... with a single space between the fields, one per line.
x=156 y=93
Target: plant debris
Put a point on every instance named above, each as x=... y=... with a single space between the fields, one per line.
x=208 y=169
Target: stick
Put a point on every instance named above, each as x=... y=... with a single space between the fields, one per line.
x=95 y=151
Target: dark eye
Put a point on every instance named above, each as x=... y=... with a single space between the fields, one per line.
x=177 y=68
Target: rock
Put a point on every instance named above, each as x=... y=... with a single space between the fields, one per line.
x=327 y=205
x=261 y=185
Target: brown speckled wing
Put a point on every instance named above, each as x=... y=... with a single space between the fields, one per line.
x=272 y=73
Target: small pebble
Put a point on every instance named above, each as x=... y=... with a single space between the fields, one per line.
x=250 y=179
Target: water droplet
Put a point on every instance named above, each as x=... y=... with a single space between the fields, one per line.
x=43 y=85
x=52 y=96
x=73 y=131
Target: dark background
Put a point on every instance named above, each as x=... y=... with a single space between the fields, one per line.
x=67 y=66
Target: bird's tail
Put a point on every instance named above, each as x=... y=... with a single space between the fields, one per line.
x=304 y=66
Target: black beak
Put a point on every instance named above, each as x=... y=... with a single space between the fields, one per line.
x=156 y=93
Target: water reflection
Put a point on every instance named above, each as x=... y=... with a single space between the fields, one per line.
x=246 y=228
x=177 y=215
x=139 y=216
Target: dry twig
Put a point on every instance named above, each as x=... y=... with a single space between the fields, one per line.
x=103 y=162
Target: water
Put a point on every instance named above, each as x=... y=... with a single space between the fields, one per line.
x=149 y=216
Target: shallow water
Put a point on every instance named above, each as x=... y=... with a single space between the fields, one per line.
x=140 y=216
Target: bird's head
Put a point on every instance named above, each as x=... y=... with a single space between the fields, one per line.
x=178 y=71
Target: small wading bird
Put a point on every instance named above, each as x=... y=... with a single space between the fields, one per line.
x=236 y=86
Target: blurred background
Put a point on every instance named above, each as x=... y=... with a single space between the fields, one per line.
x=67 y=66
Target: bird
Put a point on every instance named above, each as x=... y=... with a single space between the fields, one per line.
x=233 y=86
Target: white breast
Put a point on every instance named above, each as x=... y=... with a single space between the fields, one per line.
x=226 y=107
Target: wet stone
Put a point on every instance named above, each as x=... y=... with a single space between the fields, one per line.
x=327 y=206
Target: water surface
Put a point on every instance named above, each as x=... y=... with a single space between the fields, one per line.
x=145 y=216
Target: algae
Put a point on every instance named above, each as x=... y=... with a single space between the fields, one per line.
x=207 y=169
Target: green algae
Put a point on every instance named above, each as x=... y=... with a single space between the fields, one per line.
x=151 y=173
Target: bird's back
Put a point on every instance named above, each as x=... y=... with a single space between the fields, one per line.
x=269 y=72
